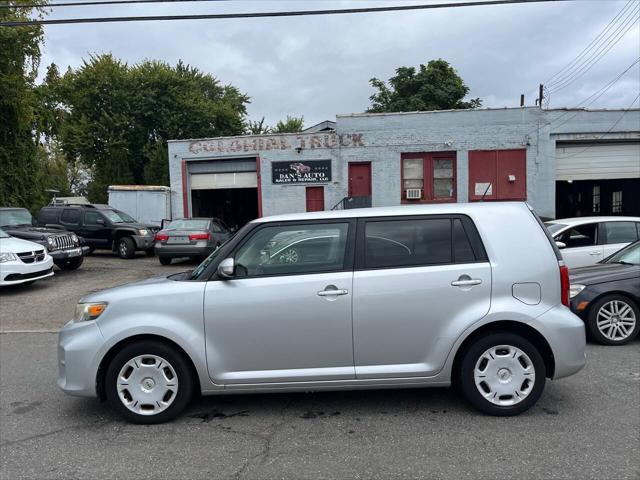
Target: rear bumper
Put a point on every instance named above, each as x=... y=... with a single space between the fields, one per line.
x=78 y=360
x=14 y=273
x=565 y=334
x=175 y=251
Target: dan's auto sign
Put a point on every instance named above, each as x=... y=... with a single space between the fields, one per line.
x=316 y=171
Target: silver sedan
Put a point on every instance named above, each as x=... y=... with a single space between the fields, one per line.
x=195 y=238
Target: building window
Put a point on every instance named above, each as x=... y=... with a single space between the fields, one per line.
x=616 y=202
x=428 y=177
x=596 y=199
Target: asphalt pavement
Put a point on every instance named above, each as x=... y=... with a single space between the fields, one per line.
x=584 y=427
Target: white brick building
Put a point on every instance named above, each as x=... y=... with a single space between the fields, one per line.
x=424 y=157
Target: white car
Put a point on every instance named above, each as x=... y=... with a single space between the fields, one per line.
x=587 y=240
x=22 y=261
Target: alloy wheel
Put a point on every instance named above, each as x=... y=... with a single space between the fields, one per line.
x=147 y=384
x=504 y=375
x=616 y=320
x=290 y=256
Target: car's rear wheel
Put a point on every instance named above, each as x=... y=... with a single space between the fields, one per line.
x=149 y=382
x=613 y=320
x=126 y=247
x=502 y=374
x=165 y=260
x=70 y=263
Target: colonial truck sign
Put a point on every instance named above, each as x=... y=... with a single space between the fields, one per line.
x=313 y=171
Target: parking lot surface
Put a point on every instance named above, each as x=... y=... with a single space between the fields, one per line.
x=583 y=427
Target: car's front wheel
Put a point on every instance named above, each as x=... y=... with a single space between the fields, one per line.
x=126 y=247
x=149 y=382
x=502 y=374
x=613 y=320
x=165 y=260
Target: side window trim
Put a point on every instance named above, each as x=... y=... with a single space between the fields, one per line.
x=467 y=225
x=348 y=254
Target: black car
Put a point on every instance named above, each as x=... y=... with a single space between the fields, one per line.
x=64 y=247
x=607 y=296
x=102 y=226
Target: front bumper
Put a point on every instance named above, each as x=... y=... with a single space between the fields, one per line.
x=143 y=242
x=16 y=272
x=68 y=253
x=78 y=358
x=565 y=334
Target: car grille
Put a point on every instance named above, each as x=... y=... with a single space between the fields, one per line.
x=63 y=241
x=31 y=257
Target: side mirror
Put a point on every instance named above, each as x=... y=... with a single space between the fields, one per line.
x=561 y=244
x=226 y=268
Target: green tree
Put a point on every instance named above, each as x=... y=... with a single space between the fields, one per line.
x=19 y=59
x=436 y=86
x=257 y=127
x=117 y=118
x=290 y=125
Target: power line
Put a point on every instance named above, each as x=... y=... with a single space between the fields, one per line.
x=599 y=54
x=589 y=47
x=102 y=2
x=299 y=13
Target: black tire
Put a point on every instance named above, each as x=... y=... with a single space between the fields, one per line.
x=150 y=252
x=183 y=375
x=126 y=247
x=165 y=260
x=592 y=319
x=473 y=355
x=70 y=263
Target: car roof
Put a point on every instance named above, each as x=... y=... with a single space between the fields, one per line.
x=402 y=210
x=580 y=220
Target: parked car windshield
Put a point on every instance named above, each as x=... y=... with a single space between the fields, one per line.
x=4 y=234
x=117 y=216
x=188 y=224
x=554 y=227
x=15 y=217
x=629 y=255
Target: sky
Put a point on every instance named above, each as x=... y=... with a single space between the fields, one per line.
x=320 y=66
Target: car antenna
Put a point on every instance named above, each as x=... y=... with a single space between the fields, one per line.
x=485 y=192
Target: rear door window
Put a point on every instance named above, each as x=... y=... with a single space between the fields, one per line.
x=620 y=232
x=48 y=216
x=70 y=216
x=580 y=236
x=416 y=242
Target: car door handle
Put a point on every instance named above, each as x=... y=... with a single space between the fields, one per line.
x=595 y=253
x=331 y=292
x=466 y=283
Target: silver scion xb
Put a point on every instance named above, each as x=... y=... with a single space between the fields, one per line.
x=373 y=298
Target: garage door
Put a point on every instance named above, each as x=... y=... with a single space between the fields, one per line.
x=597 y=161
x=213 y=181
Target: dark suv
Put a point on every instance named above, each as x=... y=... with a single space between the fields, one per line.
x=102 y=227
x=64 y=247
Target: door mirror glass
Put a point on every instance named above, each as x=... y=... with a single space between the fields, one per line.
x=560 y=244
x=226 y=268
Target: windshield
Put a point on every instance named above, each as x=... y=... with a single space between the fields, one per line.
x=207 y=261
x=630 y=255
x=188 y=224
x=3 y=234
x=116 y=216
x=15 y=217
x=554 y=227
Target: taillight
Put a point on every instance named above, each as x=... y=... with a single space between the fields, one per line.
x=564 y=284
x=161 y=237
x=199 y=236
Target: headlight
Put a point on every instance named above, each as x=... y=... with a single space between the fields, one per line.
x=74 y=237
x=144 y=232
x=575 y=289
x=88 y=311
x=8 y=257
x=51 y=242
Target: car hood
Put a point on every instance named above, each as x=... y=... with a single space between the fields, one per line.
x=603 y=272
x=32 y=233
x=16 y=245
x=139 y=288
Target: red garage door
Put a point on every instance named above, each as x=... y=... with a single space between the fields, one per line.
x=498 y=174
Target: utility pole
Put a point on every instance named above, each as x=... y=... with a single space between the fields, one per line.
x=540 y=95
